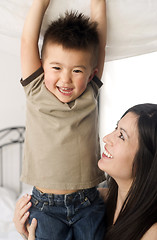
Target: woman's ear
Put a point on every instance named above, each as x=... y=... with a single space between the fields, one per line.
x=94 y=72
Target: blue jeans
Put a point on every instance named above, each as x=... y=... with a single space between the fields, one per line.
x=76 y=216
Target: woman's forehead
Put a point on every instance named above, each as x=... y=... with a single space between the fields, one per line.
x=129 y=123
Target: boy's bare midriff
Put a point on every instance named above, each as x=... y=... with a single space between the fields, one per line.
x=54 y=191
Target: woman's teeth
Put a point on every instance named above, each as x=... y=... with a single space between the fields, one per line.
x=107 y=154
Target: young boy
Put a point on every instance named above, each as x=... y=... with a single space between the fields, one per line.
x=61 y=142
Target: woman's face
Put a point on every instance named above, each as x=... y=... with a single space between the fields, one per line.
x=120 y=148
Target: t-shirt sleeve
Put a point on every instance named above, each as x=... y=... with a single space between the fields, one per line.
x=96 y=85
x=33 y=82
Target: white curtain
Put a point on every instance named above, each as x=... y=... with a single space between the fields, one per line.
x=131 y=24
x=132 y=28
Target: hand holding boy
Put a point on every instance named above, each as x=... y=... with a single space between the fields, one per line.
x=32 y=229
x=20 y=219
x=21 y=215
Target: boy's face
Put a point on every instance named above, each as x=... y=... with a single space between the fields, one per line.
x=67 y=71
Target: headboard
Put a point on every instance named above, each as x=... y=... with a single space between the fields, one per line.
x=11 y=148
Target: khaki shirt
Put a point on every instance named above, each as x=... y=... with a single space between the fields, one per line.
x=61 y=142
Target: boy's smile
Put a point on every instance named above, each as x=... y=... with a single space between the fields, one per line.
x=67 y=71
x=66 y=91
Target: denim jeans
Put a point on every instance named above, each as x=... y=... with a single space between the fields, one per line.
x=76 y=216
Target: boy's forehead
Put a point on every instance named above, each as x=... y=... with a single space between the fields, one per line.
x=62 y=47
x=53 y=50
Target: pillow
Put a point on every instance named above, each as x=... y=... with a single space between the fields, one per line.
x=7 y=204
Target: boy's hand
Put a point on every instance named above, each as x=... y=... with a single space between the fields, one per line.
x=21 y=215
x=31 y=229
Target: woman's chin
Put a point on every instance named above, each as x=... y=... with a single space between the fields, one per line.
x=101 y=164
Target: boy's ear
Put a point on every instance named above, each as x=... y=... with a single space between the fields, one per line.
x=94 y=72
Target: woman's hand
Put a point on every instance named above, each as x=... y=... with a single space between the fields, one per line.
x=21 y=215
x=31 y=229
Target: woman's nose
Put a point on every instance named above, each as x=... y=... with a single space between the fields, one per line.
x=108 y=139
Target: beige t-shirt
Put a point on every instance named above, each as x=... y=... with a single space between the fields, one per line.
x=61 y=142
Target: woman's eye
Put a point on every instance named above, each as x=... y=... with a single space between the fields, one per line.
x=121 y=136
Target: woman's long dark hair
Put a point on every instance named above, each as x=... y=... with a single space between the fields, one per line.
x=139 y=211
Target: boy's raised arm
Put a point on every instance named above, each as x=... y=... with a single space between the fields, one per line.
x=98 y=14
x=30 y=58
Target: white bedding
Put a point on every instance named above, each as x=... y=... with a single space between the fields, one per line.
x=8 y=200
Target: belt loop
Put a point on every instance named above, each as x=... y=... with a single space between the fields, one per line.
x=82 y=195
x=51 y=199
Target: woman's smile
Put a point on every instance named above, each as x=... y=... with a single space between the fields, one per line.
x=106 y=154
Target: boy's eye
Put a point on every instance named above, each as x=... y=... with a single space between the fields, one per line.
x=77 y=71
x=56 y=68
x=121 y=136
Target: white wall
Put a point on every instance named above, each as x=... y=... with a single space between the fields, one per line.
x=12 y=101
x=127 y=82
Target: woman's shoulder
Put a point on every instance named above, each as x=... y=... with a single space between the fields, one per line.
x=151 y=233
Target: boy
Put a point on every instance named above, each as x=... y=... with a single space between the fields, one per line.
x=62 y=143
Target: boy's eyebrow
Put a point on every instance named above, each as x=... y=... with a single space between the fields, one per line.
x=80 y=66
x=54 y=63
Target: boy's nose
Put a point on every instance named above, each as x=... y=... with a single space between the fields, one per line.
x=66 y=78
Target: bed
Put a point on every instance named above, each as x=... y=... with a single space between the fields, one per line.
x=11 y=148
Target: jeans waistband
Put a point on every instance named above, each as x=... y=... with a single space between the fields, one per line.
x=57 y=199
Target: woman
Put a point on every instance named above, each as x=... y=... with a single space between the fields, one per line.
x=130 y=159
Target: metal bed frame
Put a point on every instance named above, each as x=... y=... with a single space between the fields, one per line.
x=11 y=136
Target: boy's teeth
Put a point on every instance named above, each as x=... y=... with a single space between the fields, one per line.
x=64 y=88
x=67 y=90
x=107 y=154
